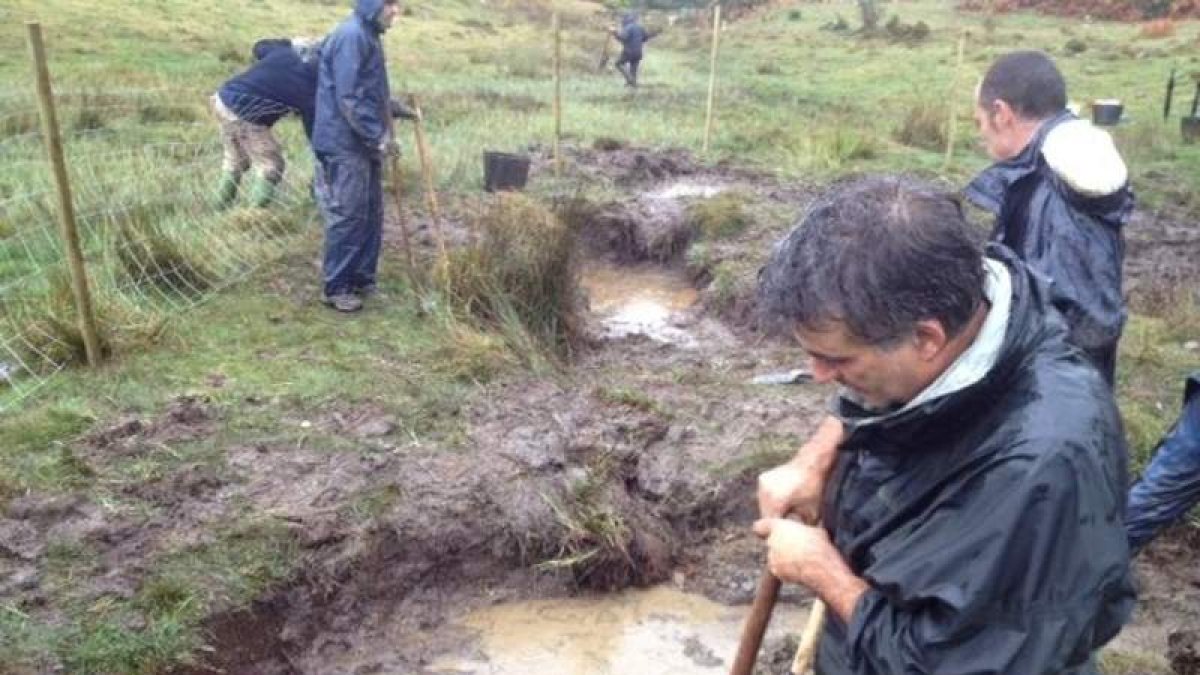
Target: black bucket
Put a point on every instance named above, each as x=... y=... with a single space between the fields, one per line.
x=504 y=171
x=1190 y=128
x=1107 y=113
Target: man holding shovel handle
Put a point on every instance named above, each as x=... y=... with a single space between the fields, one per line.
x=972 y=503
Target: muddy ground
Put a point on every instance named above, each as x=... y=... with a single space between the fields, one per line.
x=644 y=453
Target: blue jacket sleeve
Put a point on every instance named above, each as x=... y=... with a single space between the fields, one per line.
x=1021 y=588
x=357 y=98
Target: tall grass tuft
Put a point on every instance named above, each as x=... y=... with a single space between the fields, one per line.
x=923 y=126
x=521 y=269
x=149 y=257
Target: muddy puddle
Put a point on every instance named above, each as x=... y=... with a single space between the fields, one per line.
x=640 y=300
x=660 y=631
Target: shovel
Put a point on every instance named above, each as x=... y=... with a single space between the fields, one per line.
x=756 y=624
x=604 y=52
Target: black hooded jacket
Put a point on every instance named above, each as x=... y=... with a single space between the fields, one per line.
x=1073 y=239
x=279 y=83
x=988 y=522
x=632 y=36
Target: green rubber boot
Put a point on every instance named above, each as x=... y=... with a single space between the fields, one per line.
x=227 y=189
x=262 y=193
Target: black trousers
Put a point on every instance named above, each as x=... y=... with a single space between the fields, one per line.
x=631 y=70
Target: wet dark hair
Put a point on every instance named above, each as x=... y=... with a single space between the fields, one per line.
x=1028 y=81
x=878 y=254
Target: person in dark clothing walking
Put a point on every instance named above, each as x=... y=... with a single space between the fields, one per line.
x=1170 y=487
x=282 y=81
x=974 y=518
x=1060 y=192
x=632 y=37
x=351 y=136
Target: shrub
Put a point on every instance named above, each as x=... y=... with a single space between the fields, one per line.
x=923 y=126
x=520 y=269
x=719 y=217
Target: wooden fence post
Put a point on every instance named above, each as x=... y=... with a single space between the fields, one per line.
x=66 y=207
x=952 y=124
x=712 y=76
x=557 y=95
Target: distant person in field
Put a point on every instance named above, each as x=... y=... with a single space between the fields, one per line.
x=282 y=81
x=1170 y=486
x=632 y=37
x=1060 y=192
x=351 y=137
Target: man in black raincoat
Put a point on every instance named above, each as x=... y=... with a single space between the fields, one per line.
x=973 y=522
x=1060 y=193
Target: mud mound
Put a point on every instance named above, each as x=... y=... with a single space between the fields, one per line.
x=638 y=230
x=1118 y=10
x=1161 y=254
x=1184 y=651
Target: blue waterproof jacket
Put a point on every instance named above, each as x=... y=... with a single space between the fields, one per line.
x=988 y=521
x=352 y=87
x=632 y=36
x=1074 y=239
x=280 y=82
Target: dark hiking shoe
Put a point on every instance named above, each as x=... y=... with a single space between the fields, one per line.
x=343 y=302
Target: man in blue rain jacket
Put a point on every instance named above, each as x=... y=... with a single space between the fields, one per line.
x=351 y=136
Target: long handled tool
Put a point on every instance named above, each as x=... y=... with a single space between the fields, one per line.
x=604 y=52
x=427 y=173
x=756 y=624
x=398 y=196
x=809 y=638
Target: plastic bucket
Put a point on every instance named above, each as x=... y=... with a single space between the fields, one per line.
x=1189 y=127
x=504 y=171
x=1107 y=113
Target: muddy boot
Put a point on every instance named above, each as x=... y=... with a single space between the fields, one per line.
x=227 y=189
x=262 y=194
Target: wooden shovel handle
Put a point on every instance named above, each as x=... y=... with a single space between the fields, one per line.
x=756 y=624
x=809 y=638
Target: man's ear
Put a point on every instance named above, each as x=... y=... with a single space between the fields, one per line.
x=1003 y=115
x=930 y=338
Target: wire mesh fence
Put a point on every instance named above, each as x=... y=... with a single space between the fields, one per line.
x=144 y=167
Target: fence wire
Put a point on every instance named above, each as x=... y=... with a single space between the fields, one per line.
x=143 y=167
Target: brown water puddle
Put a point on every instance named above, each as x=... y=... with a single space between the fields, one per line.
x=644 y=300
x=660 y=631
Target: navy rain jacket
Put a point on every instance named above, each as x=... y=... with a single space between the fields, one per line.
x=352 y=90
x=1074 y=239
x=632 y=36
x=988 y=522
x=281 y=82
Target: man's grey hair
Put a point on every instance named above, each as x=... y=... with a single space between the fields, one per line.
x=878 y=254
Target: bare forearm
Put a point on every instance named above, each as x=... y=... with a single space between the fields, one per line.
x=820 y=451
x=840 y=589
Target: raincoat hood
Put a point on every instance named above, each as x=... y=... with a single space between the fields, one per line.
x=368 y=11
x=628 y=18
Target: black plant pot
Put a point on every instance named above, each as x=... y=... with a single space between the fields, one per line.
x=1106 y=114
x=504 y=171
x=1189 y=127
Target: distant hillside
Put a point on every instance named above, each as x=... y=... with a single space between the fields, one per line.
x=1119 y=10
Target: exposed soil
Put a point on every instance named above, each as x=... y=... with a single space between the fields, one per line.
x=637 y=466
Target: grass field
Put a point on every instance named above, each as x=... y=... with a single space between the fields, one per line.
x=793 y=98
